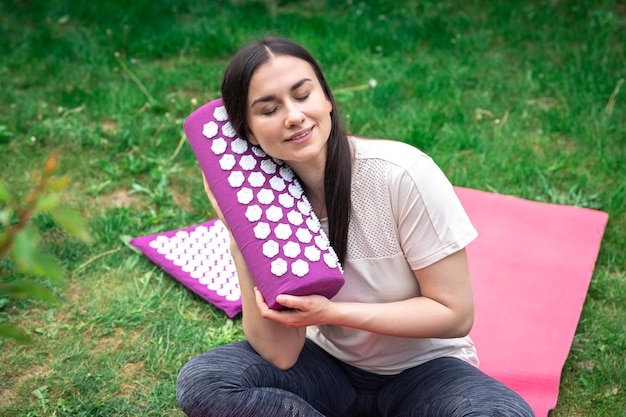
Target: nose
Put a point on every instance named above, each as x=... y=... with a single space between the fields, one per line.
x=293 y=115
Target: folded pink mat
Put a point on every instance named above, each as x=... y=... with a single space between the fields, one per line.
x=531 y=267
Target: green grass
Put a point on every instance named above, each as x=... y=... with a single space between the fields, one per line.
x=522 y=98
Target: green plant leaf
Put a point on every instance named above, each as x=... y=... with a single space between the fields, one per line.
x=5 y=195
x=25 y=289
x=46 y=202
x=56 y=184
x=70 y=221
x=8 y=331
x=24 y=249
x=6 y=214
x=47 y=266
x=30 y=261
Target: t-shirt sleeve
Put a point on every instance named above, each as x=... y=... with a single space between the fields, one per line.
x=432 y=223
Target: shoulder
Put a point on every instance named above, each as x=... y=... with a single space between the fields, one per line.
x=397 y=157
x=393 y=151
x=401 y=169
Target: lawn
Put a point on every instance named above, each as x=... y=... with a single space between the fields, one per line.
x=524 y=98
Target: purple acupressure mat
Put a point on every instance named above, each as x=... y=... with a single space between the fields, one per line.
x=198 y=257
x=263 y=203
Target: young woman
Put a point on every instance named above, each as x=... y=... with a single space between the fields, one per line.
x=393 y=341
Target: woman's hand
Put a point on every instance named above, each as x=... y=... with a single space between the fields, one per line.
x=445 y=308
x=302 y=311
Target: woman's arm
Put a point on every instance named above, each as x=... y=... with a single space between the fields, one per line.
x=275 y=342
x=445 y=308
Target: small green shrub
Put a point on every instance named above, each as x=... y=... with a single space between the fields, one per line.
x=21 y=261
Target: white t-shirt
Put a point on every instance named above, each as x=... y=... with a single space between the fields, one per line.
x=405 y=216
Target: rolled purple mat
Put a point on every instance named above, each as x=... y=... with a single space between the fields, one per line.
x=270 y=218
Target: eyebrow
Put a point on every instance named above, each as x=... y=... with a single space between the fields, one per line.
x=271 y=97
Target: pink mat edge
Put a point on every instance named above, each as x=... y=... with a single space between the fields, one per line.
x=542 y=393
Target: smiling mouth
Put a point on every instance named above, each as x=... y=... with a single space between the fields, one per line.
x=299 y=135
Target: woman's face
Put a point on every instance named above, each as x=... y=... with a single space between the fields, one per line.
x=288 y=114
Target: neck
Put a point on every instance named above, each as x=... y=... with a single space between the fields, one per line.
x=312 y=181
x=311 y=175
x=318 y=201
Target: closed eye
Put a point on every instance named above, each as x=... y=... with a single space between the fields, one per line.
x=271 y=111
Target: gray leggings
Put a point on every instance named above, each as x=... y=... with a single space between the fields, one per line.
x=234 y=381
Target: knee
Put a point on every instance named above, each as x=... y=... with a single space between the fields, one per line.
x=511 y=405
x=462 y=406
x=187 y=386
x=518 y=408
x=197 y=383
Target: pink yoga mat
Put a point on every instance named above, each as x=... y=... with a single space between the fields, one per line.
x=531 y=267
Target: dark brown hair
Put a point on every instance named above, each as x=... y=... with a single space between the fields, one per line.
x=338 y=169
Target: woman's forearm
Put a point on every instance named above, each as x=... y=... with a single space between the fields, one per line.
x=418 y=317
x=445 y=308
x=276 y=343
